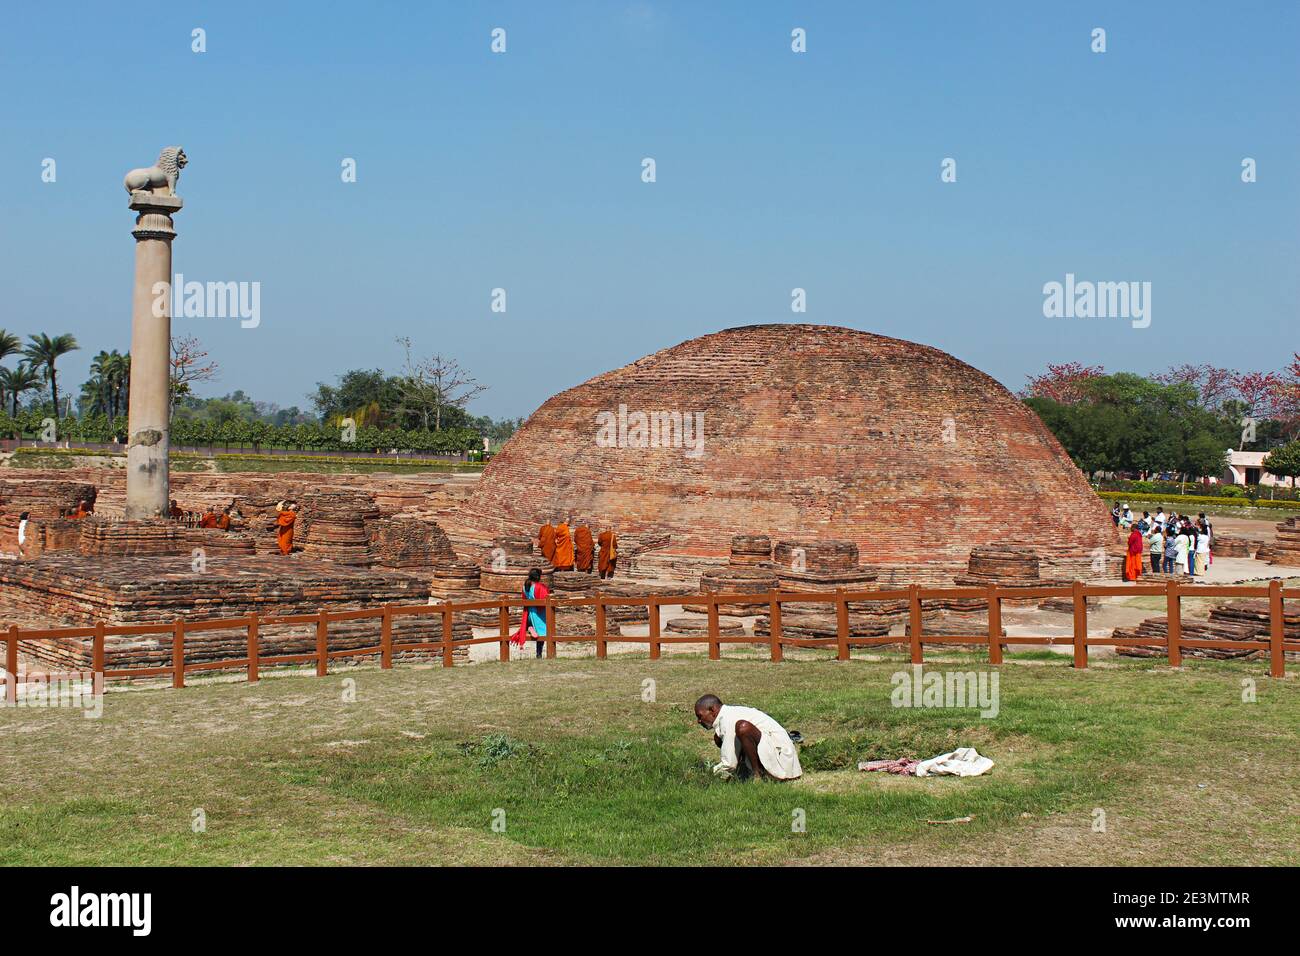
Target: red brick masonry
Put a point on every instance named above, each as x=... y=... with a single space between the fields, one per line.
x=809 y=431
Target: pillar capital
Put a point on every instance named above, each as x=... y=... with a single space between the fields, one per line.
x=154 y=219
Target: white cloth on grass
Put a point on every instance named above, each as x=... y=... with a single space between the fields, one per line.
x=962 y=762
x=776 y=750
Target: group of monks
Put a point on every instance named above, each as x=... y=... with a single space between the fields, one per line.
x=229 y=519
x=567 y=550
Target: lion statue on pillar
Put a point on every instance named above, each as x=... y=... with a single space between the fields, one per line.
x=160 y=178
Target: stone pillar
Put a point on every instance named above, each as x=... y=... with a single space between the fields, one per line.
x=149 y=411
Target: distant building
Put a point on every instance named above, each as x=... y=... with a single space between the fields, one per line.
x=1247 y=468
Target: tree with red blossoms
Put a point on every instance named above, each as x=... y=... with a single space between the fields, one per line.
x=1062 y=383
x=1214 y=385
x=1259 y=392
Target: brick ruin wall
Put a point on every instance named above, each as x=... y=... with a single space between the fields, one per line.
x=75 y=590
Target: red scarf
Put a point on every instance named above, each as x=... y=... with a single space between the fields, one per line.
x=539 y=594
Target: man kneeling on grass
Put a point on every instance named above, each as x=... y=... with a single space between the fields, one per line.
x=752 y=743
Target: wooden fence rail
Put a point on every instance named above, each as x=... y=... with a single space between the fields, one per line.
x=252 y=624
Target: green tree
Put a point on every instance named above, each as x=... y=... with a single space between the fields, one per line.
x=1127 y=422
x=43 y=352
x=14 y=382
x=361 y=394
x=9 y=344
x=1284 y=462
x=1204 y=454
x=116 y=369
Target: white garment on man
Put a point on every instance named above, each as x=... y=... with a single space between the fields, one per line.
x=1183 y=544
x=775 y=749
x=22 y=532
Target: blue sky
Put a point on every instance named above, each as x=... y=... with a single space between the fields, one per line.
x=775 y=170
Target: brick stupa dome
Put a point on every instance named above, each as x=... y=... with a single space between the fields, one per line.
x=808 y=431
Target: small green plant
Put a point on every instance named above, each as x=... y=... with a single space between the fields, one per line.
x=493 y=749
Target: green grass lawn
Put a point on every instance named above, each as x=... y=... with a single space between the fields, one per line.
x=418 y=766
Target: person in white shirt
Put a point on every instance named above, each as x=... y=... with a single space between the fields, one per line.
x=1182 y=543
x=752 y=743
x=1160 y=518
x=22 y=533
x=1202 y=551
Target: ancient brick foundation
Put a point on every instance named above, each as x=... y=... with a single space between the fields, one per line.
x=1239 y=620
x=72 y=589
x=1285 y=547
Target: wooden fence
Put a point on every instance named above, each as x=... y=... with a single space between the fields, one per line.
x=1275 y=645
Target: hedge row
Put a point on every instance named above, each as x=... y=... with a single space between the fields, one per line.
x=1199 y=500
x=316 y=437
x=241 y=456
x=1195 y=489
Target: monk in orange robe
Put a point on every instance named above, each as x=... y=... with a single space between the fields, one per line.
x=582 y=549
x=1133 y=559
x=608 y=553
x=209 y=520
x=563 y=548
x=174 y=510
x=285 y=516
x=83 y=509
x=223 y=520
x=546 y=538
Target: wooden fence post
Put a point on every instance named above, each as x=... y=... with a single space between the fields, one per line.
x=1174 y=618
x=654 y=631
x=386 y=639
x=774 y=625
x=1276 y=634
x=11 y=664
x=914 y=618
x=97 y=660
x=1080 y=625
x=550 y=628
x=504 y=617
x=715 y=649
x=322 y=644
x=995 y=625
x=447 y=627
x=600 y=626
x=252 y=647
x=178 y=653
x=841 y=626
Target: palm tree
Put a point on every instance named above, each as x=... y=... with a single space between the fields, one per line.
x=44 y=351
x=9 y=344
x=15 y=381
x=117 y=369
